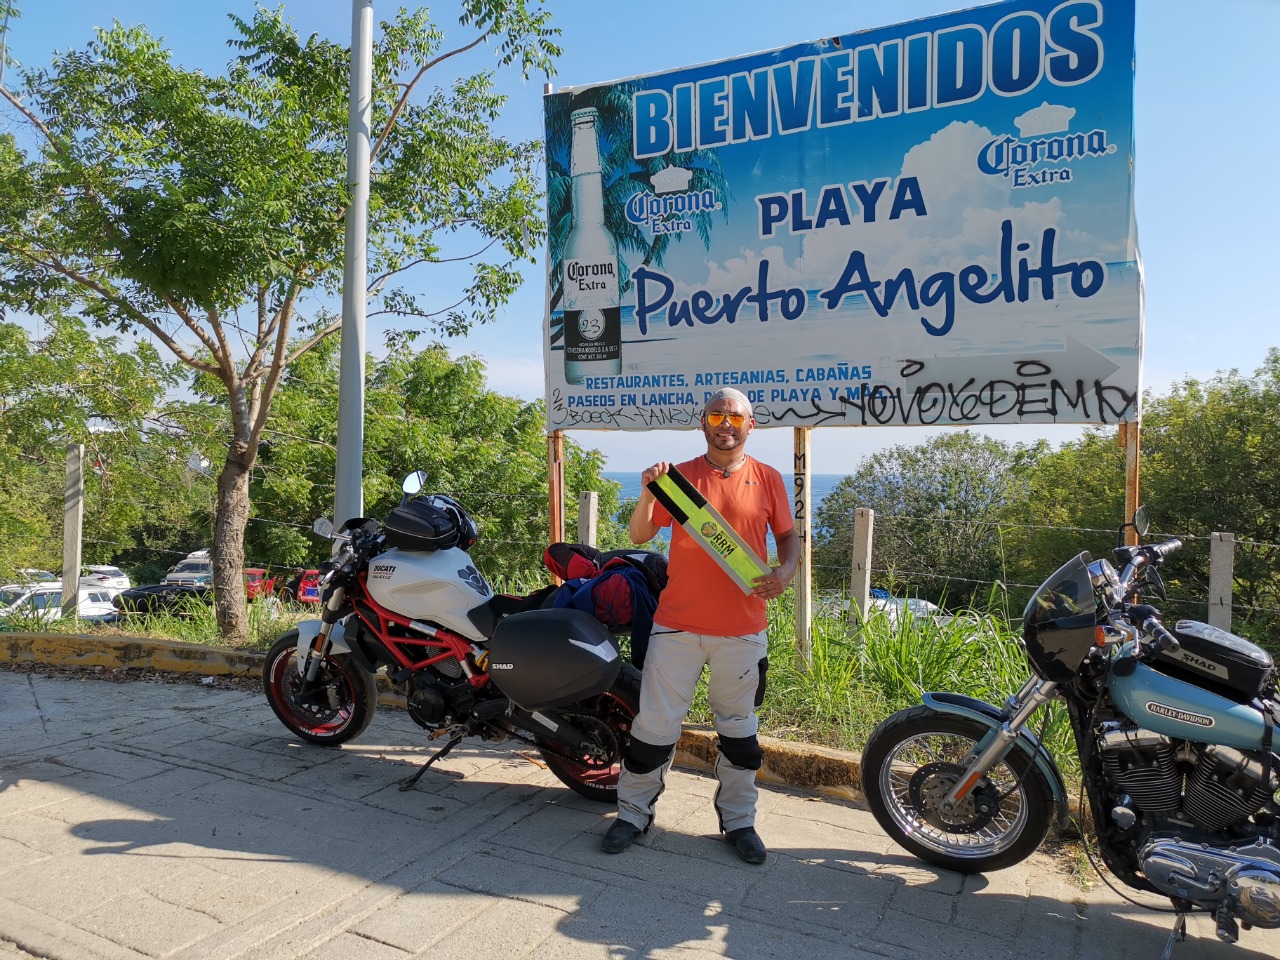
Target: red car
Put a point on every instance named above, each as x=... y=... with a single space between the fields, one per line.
x=304 y=588
x=258 y=583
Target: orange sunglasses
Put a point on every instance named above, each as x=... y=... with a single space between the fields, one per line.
x=715 y=418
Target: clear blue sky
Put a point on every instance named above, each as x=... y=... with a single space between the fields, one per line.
x=1208 y=201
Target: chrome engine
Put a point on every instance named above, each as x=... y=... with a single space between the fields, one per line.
x=1202 y=785
x=1244 y=878
x=1214 y=821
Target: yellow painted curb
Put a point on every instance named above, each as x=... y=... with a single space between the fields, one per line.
x=806 y=766
x=74 y=650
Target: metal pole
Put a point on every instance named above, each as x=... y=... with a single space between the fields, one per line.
x=348 y=481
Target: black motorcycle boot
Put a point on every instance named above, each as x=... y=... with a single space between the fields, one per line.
x=747 y=844
x=619 y=836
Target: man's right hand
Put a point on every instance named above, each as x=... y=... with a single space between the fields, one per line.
x=651 y=474
x=642 y=528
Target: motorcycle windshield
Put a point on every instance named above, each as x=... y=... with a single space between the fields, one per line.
x=1067 y=593
x=1058 y=623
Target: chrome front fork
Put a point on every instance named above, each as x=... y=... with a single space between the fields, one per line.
x=320 y=645
x=989 y=751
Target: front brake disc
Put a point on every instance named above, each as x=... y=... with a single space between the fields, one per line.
x=930 y=786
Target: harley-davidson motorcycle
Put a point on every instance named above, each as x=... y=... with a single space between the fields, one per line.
x=403 y=597
x=1174 y=730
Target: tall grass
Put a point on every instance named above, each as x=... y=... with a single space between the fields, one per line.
x=190 y=622
x=862 y=671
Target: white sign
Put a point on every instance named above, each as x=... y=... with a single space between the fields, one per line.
x=929 y=223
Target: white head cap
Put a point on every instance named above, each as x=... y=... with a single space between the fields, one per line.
x=728 y=393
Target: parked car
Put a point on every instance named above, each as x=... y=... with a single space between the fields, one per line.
x=43 y=601
x=894 y=607
x=105 y=576
x=258 y=583
x=29 y=576
x=189 y=572
x=303 y=588
x=178 y=598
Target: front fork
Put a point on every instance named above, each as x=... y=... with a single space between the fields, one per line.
x=993 y=748
x=323 y=641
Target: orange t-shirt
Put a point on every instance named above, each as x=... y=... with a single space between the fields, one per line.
x=700 y=597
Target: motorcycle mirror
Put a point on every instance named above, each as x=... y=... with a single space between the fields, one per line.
x=323 y=527
x=1141 y=520
x=414 y=482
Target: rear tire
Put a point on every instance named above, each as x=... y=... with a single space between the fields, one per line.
x=338 y=707
x=607 y=719
x=914 y=758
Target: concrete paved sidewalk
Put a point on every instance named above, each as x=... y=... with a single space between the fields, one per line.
x=156 y=820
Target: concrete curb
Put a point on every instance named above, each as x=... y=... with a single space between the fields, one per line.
x=804 y=766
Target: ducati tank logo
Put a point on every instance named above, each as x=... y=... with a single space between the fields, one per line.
x=471 y=577
x=381 y=571
x=1182 y=716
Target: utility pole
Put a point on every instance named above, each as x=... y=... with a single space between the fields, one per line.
x=348 y=481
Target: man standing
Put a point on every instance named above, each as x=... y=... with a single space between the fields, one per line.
x=703 y=617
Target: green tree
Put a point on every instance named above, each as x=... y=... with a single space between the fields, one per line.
x=1074 y=501
x=938 y=509
x=1209 y=464
x=69 y=386
x=425 y=411
x=205 y=210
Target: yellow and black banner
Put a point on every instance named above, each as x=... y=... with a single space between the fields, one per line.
x=689 y=508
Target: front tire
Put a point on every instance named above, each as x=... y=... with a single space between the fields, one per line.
x=910 y=763
x=337 y=707
x=607 y=719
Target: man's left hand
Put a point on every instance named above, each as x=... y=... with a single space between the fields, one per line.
x=771 y=585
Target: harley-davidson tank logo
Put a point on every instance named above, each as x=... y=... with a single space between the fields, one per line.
x=1160 y=710
x=471 y=577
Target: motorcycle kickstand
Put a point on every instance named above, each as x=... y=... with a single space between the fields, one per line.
x=439 y=754
x=1179 y=934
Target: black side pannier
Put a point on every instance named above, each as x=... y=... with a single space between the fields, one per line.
x=434 y=522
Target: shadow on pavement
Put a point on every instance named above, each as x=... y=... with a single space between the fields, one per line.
x=180 y=821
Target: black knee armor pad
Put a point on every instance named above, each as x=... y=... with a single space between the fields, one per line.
x=646 y=757
x=742 y=752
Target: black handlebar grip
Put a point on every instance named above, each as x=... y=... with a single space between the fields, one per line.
x=1162 y=550
x=1167 y=641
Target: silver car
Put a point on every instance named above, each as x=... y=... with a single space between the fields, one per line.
x=98 y=575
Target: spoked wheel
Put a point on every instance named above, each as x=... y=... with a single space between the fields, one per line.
x=606 y=719
x=912 y=761
x=335 y=707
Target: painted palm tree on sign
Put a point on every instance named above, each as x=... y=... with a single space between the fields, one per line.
x=623 y=176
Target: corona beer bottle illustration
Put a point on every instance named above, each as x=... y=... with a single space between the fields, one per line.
x=592 y=316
